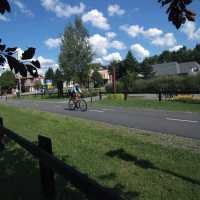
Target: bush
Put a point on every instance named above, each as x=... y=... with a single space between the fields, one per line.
x=115 y=97
x=108 y=88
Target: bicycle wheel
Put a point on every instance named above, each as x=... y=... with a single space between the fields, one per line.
x=71 y=105
x=83 y=105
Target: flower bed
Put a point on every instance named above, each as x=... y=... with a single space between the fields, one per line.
x=187 y=99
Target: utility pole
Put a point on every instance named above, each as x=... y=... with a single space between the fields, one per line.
x=114 y=79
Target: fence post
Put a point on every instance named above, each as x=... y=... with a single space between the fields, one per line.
x=46 y=173
x=125 y=95
x=1 y=122
x=160 y=96
x=2 y=146
x=100 y=95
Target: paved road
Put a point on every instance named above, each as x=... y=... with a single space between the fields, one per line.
x=184 y=124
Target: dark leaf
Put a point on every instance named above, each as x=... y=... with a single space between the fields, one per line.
x=32 y=70
x=28 y=54
x=17 y=66
x=11 y=49
x=189 y=12
x=36 y=64
x=2 y=60
x=4 y=6
x=2 y=47
x=190 y=17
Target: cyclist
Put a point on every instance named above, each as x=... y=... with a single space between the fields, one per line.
x=75 y=92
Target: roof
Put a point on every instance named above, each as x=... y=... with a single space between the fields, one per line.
x=166 y=68
x=174 y=68
x=188 y=67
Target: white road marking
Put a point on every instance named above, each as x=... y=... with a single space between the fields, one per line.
x=100 y=111
x=181 y=120
x=107 y=109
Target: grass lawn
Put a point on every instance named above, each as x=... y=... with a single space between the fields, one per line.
x=138 y=102
x=137 y=165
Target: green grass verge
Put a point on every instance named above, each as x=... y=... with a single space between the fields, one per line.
x=138 y=166
x=136 y=102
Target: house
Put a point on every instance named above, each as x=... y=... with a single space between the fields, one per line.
x=105 y=75
x=175 y=68
x=28 y=83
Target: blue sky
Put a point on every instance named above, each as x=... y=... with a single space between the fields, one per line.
x=114 y=26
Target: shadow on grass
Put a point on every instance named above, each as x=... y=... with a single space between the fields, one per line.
x=20 y=178
x=19 y=175
x=146 y=164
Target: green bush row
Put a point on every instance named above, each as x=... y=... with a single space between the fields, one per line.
x=165 y=83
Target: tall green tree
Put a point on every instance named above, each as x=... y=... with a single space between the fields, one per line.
x=76 y=53
x=49 y=75
x=7 y=81
x=58 y=81
x=130 y=64
x=146 y=70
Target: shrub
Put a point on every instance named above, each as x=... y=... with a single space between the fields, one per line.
x=115 y=97
x=108 y=88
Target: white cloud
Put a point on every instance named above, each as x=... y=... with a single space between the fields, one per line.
x=176 y=48
x=152 y=32
x=133 y=30
x=46 y=62
x=110 y=35
x=167 y=40
x=155 y=35
x=23 y=8
x=192 y=32
x=140 y=51
x=62 y=9
x=3 y=18
x=112 y=57
x=115 y=10
x=99 y=44
x=53 y=43
x=97 y=19
x=136 y=30
x=117 y=45
x=98 y=60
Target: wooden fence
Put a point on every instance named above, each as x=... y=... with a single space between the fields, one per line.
x=49 y=165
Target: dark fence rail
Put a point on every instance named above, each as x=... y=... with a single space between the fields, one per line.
x=160 y=94
x=89 y=187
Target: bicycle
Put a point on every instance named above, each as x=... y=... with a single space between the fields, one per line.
x=79 y=104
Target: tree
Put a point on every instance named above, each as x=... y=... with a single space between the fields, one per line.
x=58 y=81
x=7 y=81
x=97 y=79
x=177 y=11
x=49 y=75
x=76 y=53
x=118 y=69
x=130 y=64
x=129 y=81
x=146 y=70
